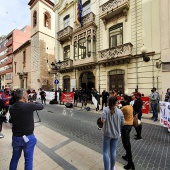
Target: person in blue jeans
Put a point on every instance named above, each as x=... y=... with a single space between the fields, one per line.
x=23 y=138
x=154 y=99
x=113 y=120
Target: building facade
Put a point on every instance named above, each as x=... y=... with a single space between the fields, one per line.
x=21 y=66
x=9 y=44
x=42 y=43
x=104 y=51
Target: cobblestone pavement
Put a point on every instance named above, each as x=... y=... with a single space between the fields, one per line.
x=153 y=152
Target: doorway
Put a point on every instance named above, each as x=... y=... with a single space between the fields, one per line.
x=116 y=80
x=87 y=82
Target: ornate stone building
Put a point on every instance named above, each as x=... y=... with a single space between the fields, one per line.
x=42 y=43
x=105 y=51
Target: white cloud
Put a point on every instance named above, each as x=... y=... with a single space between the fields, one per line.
x=14 y=14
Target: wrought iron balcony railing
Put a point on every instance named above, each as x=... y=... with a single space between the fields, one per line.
x=113 y=7
x=119 y=52
x=64 y=34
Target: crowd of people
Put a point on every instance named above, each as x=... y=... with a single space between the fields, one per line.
x=117 y=119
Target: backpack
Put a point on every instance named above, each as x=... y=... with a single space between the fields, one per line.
x=88 y=108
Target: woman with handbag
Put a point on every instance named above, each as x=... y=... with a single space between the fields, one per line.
x=113 y=120
x=137 y=107
x=127 y=110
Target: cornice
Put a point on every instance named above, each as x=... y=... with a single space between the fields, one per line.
x=67 y=6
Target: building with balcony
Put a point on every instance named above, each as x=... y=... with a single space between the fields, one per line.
x=42 y=43
x=104 y=51
x=9 y=44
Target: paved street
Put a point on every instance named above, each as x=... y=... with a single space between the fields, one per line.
x=149 y=153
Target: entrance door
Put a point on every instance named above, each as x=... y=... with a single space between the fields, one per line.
x=116 y=82
x=87 y=83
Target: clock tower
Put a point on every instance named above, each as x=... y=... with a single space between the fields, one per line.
x=42 y=43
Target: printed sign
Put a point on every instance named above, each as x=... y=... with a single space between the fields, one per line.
x=146 y=103
x=67 y=97
x=163 y=114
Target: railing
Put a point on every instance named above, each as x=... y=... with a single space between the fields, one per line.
x=64 y=33
x=66 y=64
x=85 y=61
x=7 y=70
x=117 y=52
x=9 y=43
x=87 y=19
x=113 y=6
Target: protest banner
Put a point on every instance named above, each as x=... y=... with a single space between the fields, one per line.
x=67 y=97
x=163 y=114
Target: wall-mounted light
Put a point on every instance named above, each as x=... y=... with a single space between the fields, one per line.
x=143 y=51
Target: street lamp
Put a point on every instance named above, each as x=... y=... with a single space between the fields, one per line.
x=55 y=66
x=143 y=51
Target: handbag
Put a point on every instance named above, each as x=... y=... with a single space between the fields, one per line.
x=135 y=120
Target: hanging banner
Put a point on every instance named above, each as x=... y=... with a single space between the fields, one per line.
x=163 y=114
x=67 y=97
x=168 y=115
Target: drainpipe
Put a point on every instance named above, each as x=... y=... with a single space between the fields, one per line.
x=136 y=48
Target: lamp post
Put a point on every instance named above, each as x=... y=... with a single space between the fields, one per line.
x=55 y=66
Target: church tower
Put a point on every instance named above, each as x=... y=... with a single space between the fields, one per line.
x=42 y=43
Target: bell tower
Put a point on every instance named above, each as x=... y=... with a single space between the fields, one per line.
x=42 y=43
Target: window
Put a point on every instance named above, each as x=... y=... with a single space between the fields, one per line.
x=89 y=45
x=82 y=49
x=35 y=18
x=24 y=58
x=116 y=35
x=86 y=8
x=75 y=51
x=66 y=83
x=47 y=20
x=66 y=20
x=94 y=45
x=66 y=52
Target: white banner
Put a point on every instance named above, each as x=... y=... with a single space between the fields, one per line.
x=163 y=114
x=49 y=95
x=168 y=114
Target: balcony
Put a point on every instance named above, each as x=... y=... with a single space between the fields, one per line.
x=86 y=63
x=7 y=70
x=87 y=21
x=8 y=61
x=9 y=52
x=115 y=55
x=9 y=43
x=66 y=66
x=64 y=34
x=112 y=8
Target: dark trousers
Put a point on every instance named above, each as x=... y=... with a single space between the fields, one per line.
x=104 y=102
x=125 y=134
x=139 y=128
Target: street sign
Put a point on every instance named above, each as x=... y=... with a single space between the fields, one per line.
x=56 y=81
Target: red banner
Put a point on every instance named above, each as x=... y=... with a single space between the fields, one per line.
x=67 y=97
x=146 y=103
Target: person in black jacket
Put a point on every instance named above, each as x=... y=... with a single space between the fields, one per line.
x=105 y=96
x=137 y=106
x=22 y=128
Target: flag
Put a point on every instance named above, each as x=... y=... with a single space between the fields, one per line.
x=79 y=10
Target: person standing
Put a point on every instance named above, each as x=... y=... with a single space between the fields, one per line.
x=127 y=110
x=22 y=128
x=105 y=96
x=113 y=120
x=167 y=95
x=137 y=106
x=43 y=96
x=154 y=99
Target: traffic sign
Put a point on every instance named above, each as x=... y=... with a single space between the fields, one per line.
x=56 y=81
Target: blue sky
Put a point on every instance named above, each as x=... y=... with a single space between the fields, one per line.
x=14 y=14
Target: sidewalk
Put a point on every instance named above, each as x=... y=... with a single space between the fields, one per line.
x=53 y=152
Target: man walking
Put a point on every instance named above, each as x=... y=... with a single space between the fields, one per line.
x=43 y=96
x=22 y=128
x=105 y=96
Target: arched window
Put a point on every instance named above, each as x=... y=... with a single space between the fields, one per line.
x=34 y=18
x=47 y=20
